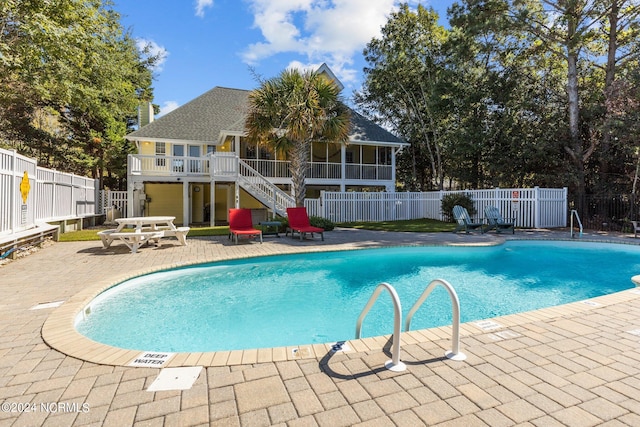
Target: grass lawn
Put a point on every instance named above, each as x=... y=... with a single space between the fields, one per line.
x=92 y=234
x=413 y=225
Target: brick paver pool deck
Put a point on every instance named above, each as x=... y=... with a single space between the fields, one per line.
x=573 y=365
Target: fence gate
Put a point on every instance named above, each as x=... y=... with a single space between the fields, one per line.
x=114 y=203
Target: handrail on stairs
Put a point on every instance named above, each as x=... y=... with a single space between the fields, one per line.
x=271 y=194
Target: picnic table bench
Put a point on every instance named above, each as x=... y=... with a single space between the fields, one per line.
x=133 y=240
x=147 y=229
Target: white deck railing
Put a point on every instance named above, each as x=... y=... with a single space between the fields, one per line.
x=167 y=165
x=224 y=165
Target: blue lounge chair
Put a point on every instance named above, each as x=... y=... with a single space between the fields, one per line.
x=464 y=220
x=497 y=222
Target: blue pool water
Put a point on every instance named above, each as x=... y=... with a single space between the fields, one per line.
x=316 y=298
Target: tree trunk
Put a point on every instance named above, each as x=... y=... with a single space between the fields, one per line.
x=610 y=73
x=574 y=148
x=298 y=168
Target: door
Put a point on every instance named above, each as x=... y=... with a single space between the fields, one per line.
x=178 y=162
x=194 y=153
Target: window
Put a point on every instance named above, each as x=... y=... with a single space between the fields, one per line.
x=211 y=149
x=161 y=150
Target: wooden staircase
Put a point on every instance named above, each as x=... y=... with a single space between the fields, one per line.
x=263 y=190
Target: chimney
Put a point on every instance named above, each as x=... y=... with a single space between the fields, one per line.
x=145 y=114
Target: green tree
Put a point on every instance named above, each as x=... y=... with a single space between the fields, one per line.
x=571 y=32
x=293 y=110
x=402 y=90
x=71 y=80
x=618 y=33
x=504 y=94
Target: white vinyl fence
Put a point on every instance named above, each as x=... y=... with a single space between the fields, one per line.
x=30 y=194
x=531 y=207
x=116 y=200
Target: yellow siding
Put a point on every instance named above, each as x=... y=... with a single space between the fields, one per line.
x=220 y=207
x=147 y=148
x=166 y=199
x=227 y=146
x=247 y=201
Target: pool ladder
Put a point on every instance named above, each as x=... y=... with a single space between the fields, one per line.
x=395 y=364
x=575 y=213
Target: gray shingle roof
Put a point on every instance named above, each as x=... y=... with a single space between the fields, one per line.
x=363 y=129
x=223 y=110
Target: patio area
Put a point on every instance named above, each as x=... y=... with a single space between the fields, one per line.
x=573 y=365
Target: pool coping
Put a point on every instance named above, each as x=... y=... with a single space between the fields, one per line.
x=60 y=334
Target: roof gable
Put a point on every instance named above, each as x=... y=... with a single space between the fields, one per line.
x=200 y=120
x=221 y=111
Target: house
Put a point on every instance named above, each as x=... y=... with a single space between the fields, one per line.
x=194 y=163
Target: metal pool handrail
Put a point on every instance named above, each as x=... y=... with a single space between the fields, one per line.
x=454 y=353
x=575 y=213
x=394 y=364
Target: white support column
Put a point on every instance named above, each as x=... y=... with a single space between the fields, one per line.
x=393 y=166
x=130 y=201
x=343 y=167
x=186 y=201
x=236 y=196
x=212 y=204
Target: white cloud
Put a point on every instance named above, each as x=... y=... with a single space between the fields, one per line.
x=297 y=65
x=201 y=5
x=151 y=49
x=167 y=107
x=322 y=30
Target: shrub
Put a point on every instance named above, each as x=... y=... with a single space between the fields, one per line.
x=284 y=223
x=462 y=199
x=325 y=223
x=316 y=221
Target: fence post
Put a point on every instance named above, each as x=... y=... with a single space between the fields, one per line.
x=566 y=207
x=323 y=212
x=12 y=214
x=73 y=196
x=536 y=207
x=54 y=188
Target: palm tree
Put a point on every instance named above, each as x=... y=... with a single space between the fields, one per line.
x=293 y=110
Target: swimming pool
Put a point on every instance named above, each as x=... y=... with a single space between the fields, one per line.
x=316 y=297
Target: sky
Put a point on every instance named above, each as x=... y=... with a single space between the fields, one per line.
x=234 y=43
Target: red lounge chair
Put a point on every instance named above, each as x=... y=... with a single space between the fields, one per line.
x=299 y=223
x=240 y=223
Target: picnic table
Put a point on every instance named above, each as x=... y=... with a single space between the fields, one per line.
x=147 y=229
